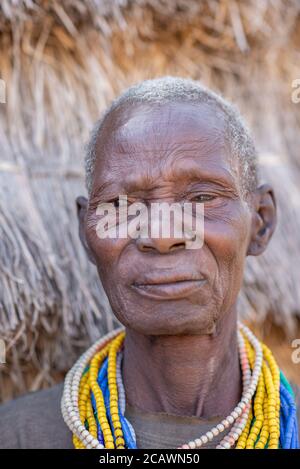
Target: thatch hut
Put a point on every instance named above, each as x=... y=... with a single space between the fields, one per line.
x=62 y=62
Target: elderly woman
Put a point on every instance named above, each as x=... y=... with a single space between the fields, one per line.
x=192 y=375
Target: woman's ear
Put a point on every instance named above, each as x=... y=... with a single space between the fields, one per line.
x=263 y=221
x=82 y=204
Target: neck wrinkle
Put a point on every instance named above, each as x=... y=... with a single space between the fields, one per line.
x=196 y=375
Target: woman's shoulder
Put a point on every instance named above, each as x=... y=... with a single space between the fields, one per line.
x=34 y=421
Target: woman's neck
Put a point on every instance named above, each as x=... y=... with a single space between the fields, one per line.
x=195 y=375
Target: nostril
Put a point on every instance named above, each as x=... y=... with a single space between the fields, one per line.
x=147 y=248
x=177 y=246
x=160 y=245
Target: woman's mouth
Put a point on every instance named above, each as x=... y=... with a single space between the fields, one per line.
x=168 y=289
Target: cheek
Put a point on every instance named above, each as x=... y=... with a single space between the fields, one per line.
x=227 y=238
x=106 y=252
x=228 y=243
x=228 y=229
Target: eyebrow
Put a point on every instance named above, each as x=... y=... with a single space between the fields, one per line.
x=221 y=177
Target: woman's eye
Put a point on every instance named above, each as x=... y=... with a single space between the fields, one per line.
x=120 y=203
x=203 y=198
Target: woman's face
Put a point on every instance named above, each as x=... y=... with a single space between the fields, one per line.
x=170 y=153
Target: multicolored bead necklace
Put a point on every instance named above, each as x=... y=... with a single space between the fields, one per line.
x=93 y=402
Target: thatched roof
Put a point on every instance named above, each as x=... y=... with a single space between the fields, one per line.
x=62 y=63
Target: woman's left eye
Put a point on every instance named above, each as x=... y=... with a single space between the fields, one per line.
x=203 y=198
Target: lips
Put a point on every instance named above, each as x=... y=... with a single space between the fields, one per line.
x=166 y=287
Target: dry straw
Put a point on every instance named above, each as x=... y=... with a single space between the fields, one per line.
x=62 y=63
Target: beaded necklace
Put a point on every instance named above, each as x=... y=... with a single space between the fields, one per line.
x=93 y=402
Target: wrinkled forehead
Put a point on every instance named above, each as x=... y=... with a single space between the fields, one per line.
x=150 y=137
x=161 y=125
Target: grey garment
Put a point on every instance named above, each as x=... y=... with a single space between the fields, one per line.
x=165 y=431
x=35 y=421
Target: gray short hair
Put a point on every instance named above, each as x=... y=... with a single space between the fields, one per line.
x=174 y=89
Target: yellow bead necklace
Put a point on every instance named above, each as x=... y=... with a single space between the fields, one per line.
x=93 y=401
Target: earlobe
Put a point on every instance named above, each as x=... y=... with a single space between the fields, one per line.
x=82 y=205
x=263 y=220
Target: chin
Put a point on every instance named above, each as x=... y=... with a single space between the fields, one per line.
x=171 y=319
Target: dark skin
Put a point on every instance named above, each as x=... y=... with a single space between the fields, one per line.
x=178 y=305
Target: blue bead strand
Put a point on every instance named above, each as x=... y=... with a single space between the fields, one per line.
x=128 y=431
x=288 y=413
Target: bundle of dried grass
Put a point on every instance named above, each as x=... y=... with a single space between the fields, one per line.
x=62 y=64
